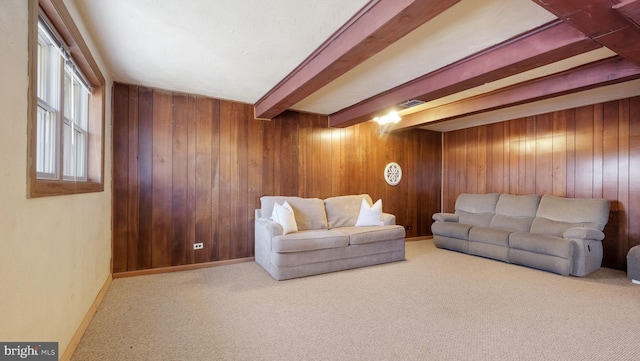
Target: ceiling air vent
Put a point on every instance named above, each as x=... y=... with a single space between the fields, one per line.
x=410 y=103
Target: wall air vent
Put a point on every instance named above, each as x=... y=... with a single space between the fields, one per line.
x=410 y=103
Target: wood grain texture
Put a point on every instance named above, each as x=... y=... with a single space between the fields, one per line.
x=192 y=169
x=591 y=151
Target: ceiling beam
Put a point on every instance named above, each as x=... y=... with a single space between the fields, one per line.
x=602 y=21
x=601 y=73
x=547 y=44
x=379 y=24
x=630 y=9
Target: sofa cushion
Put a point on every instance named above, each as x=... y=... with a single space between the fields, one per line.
x=585 y=212
x=343 y=211
x=370 y=215
x=477 y=203
x=309 y=212
x=309 y=240
x=542 y=244
x=498 y=237
x=362 y=235
x=515 y=212
x=518 y=205
x=476 y=209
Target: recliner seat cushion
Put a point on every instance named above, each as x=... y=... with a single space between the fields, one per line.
x=542 y=244
x=495 y=236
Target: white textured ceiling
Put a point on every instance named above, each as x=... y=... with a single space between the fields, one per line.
x=236 y=50
x=239 y=50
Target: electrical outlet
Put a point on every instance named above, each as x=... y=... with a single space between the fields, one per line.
x=198 y=245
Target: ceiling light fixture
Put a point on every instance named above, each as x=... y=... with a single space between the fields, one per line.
x=392 y=117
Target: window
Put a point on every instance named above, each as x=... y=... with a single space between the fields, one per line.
x=66 y=149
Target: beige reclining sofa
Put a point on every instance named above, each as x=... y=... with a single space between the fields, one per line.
x=560 y=235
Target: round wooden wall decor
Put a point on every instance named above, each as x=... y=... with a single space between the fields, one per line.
x=393 y=173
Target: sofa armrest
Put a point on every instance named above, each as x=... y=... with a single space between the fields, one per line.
x=388 y=219
x=445 y=217
x=583 y=233
x=267 y=228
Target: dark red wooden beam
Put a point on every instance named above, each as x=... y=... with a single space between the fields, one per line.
x=630 y=9
x=547 y=44
x=597 y=74
x=379 y=24
x=600 y=20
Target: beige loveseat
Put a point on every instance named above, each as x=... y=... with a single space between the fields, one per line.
x=560 y=235
x=327 y=239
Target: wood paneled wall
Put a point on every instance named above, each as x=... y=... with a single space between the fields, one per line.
x=592 y=151
x=192 y=169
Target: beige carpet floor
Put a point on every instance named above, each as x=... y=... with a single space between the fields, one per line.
x=435 y=305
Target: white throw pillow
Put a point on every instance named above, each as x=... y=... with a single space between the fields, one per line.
x=283 y=214
x=370 y=216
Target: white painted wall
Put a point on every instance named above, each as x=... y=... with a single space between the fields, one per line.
x=55 y=252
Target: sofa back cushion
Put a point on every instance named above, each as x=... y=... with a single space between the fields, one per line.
x=343 y=211
x=557 y=214
x=515 y=212
x=476 y=209
x=309 y=212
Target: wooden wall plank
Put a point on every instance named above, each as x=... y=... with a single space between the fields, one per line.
x=610 y=180
x=543 y=154
x=316 y=174
x=145 y=166
x=598 y=130
x=530 y=146
x=584 y=152
x=305 y=150
x=190 y=233
x=204 y=152
x=133 y=180
x=632 y=151
x=216 y=194
x=472 y=169
x=180 y=179
x=254 y=173
x=228 y=179
x=120 y=192
x=243 y=218
x=571 y=153
x=326 y=165
x=516 y=129
x=482 y=159
x=559 y=156
x=162 y=179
